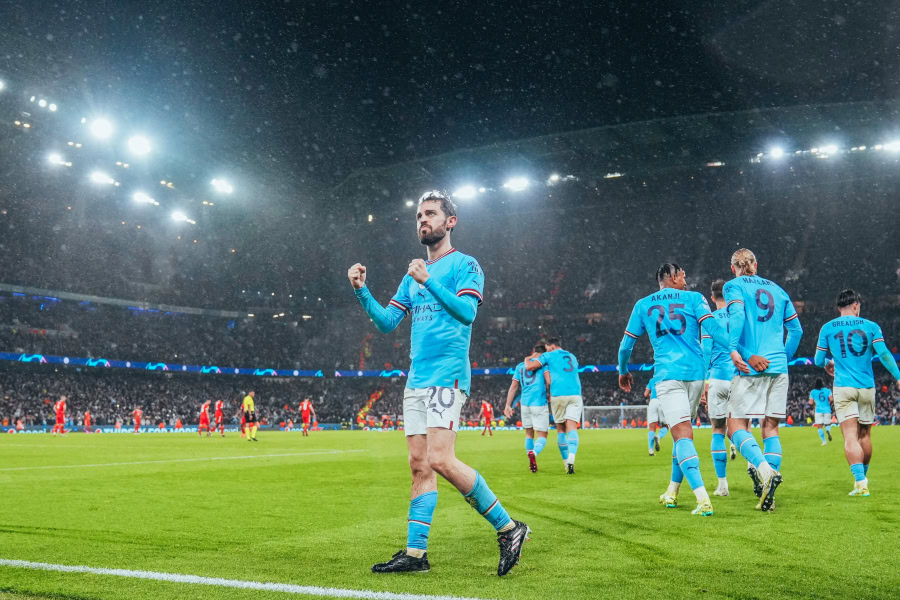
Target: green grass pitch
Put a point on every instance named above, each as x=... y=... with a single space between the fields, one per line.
x=313 y=516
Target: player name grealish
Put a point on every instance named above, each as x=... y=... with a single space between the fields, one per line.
x=668 y=296
x=847 y=322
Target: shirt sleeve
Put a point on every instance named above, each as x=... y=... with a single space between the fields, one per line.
x=880 y=349
x=821 y=349
x=546 y=358
x=794 y=329
x=633 y=331
x=470 y=279
x=736 y=315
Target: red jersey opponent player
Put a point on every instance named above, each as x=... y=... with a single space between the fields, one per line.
x=60 y=408
x=204 y=419
x=487 y=413
x=220 y=417
x=137 y=413
x=87 y=421
x=306 y=407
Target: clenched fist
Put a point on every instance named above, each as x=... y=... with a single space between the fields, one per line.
x=357 y=276
x=418 y=271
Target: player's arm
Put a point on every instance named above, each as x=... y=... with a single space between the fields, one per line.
x=462 y=308
x=633 y=331
x=736 y=315
x=794 y=330
x=706 y=342
x=547 y=381
x=884 y=355
x=821 y=356
x=461 y=303
x=385 y=319
x=511 y=393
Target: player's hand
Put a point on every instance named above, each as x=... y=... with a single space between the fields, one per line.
x=758 y=363
x=898 y=384
x=646 y=392
x=357 y=276
x=418 y=271
x=626 y=381
x=508 y=412
x=739 y=362
x=704 y=397
x=829 y=368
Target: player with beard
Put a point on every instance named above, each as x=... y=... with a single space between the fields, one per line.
x=442 y=297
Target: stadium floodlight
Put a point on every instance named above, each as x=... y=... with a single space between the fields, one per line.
x=410 y=203
x=516 y=184
x=222 y=186
x=829 y=149
x=42 y=103
x=182 y=218
x=2 y=84
x=143 y=198
x=57 y=159
x=52 y=108
x=466 y=192
x=776 y=152
x=139 y=145
x=100 y=177
x=101 y=128
x=892 y=146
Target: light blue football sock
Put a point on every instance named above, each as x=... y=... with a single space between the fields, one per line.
x=748 y=447
x=650 y=437
x=686 y=454
x=859 y=472
x=421 y=511
x=563 y=444
x=482 y=499
x=529 y=444
x=573 y=442
x=772 y=447
x=821 y=433
x=677 y=473
x=719 y=454
x=866 y=470
x=539 y=444
x=662 y=432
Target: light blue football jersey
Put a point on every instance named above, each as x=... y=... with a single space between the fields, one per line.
x=534 y=390
x=851 y=341
x=439 y=344
x=563 y=367
x=767 y=310
x=720 y=365
x=821 y=397
x=671 y=318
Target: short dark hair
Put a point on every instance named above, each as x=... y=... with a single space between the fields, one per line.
x=554 y=341
x=847 y=297
x=539 y=348
x=667 y=270
x=442 y=196
x=717 y=286
x=819 y=383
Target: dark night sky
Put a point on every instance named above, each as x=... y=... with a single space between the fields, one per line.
x=322 y=88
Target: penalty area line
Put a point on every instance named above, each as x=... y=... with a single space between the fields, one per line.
x=305 y=590
x=179 y=460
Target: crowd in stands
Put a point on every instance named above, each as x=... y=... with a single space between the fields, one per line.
x=27 y=394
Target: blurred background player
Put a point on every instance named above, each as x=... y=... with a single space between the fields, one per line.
x=442 y=297
x=852 y=342
x=533 y=389
x=136 y=415
x=656 y=428
x=220 y=417
x=248 y=406
x=307 y=410
x=720 y=372
x=565 y=397
x=204 y=419
x=759 y=312
x=820 y=397
x=87 y=421
x=672 y=318
x=60 y=408
x=487 y=415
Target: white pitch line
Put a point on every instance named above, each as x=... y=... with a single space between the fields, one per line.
x=177 y=460
x=306 y=590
